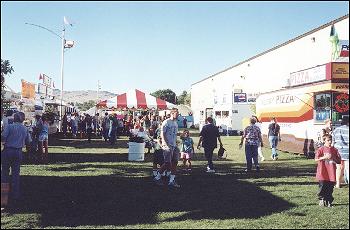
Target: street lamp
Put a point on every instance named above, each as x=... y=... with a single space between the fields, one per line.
x=66 y=44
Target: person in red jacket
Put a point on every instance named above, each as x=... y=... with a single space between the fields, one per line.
x=326 y=157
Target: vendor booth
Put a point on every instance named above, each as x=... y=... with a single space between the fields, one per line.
x=135 y=100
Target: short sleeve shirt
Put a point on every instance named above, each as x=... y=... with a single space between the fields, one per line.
x=187 y=144
x=251 y=134
x=326 y=168
x=169 y=129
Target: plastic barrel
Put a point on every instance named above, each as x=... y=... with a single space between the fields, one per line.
x=136 y=151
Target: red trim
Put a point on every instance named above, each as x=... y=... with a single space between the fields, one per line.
x=102 y=103
x=305 y=117
x=344 y=53
x=141 y=99
x=122 y=101
x=161 y=104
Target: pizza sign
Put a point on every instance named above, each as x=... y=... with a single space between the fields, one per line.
x=341 y=103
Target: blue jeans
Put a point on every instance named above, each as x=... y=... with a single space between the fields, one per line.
x=208 y=152
x=273 y=143
x=11 y=158
x=251 y=152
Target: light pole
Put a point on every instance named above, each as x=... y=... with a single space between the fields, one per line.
x=65 y=44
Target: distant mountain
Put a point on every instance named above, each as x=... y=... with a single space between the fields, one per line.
x=82 y=96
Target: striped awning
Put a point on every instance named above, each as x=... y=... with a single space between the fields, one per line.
x=135 y=99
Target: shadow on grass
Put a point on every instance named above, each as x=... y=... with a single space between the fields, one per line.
x=83 y=143
x=120 y=200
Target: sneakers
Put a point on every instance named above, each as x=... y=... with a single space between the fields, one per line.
x=209 y=170
x=322 y=203
x=329 y=204
x=173 y=184
x=274 y=158
x=325 y=203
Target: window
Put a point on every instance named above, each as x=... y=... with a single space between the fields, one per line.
x=322 y=106
x=218 y=114
x=201 y=115
x=331 y=105
x=225 y=113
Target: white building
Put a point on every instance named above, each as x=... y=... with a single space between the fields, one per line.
x=261 y=73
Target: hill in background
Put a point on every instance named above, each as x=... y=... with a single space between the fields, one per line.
x=82 y=96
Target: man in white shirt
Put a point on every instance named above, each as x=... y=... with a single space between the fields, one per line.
x=170 y=150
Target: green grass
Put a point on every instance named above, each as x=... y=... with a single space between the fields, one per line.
x=94 y=186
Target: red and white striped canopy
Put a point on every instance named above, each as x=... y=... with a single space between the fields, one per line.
x=135 y=99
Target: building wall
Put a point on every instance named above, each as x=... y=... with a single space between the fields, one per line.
x=268 y=71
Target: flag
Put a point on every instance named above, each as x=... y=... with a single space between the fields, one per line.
x=40 y=77
x=333 y=38
x=66 y=22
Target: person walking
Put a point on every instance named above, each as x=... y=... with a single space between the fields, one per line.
x=184 y=122
x=258 y=123
x=252 y=136
x=170 y=150
x=326 y=157
x=105 y=126
x=64 y=125
x=187 y=149
x=341 y=142
x=14 y=136
x=89 y=126
x=274 y=137
x=208 y=138
x=113 y=125
x=43 y=140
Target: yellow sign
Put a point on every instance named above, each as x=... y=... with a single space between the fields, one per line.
x=28 y=90
x=340 y=70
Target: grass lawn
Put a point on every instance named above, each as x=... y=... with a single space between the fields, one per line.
x=94 y=186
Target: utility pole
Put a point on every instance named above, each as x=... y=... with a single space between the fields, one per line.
x=98 y=91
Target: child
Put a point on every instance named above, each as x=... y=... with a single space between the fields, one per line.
x=187 y=148
x=326 y=157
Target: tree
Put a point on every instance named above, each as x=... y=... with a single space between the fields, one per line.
x=165 y=94
x=184 y=98
x=86 y=105
x=6 y=69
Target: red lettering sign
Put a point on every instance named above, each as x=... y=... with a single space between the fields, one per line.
x=342 y=103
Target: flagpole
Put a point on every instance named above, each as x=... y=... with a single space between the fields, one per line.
x=98 y=88
x=62 y=66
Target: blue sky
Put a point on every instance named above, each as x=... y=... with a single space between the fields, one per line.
x=148 y=45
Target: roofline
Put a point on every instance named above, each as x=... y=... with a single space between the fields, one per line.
x=278 y=46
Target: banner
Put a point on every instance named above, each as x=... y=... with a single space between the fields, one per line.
x=42 y=89
x=240 y=97
x=28 y=90
x=49 y=92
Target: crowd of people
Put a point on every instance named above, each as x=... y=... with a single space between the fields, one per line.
x=160 y=134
